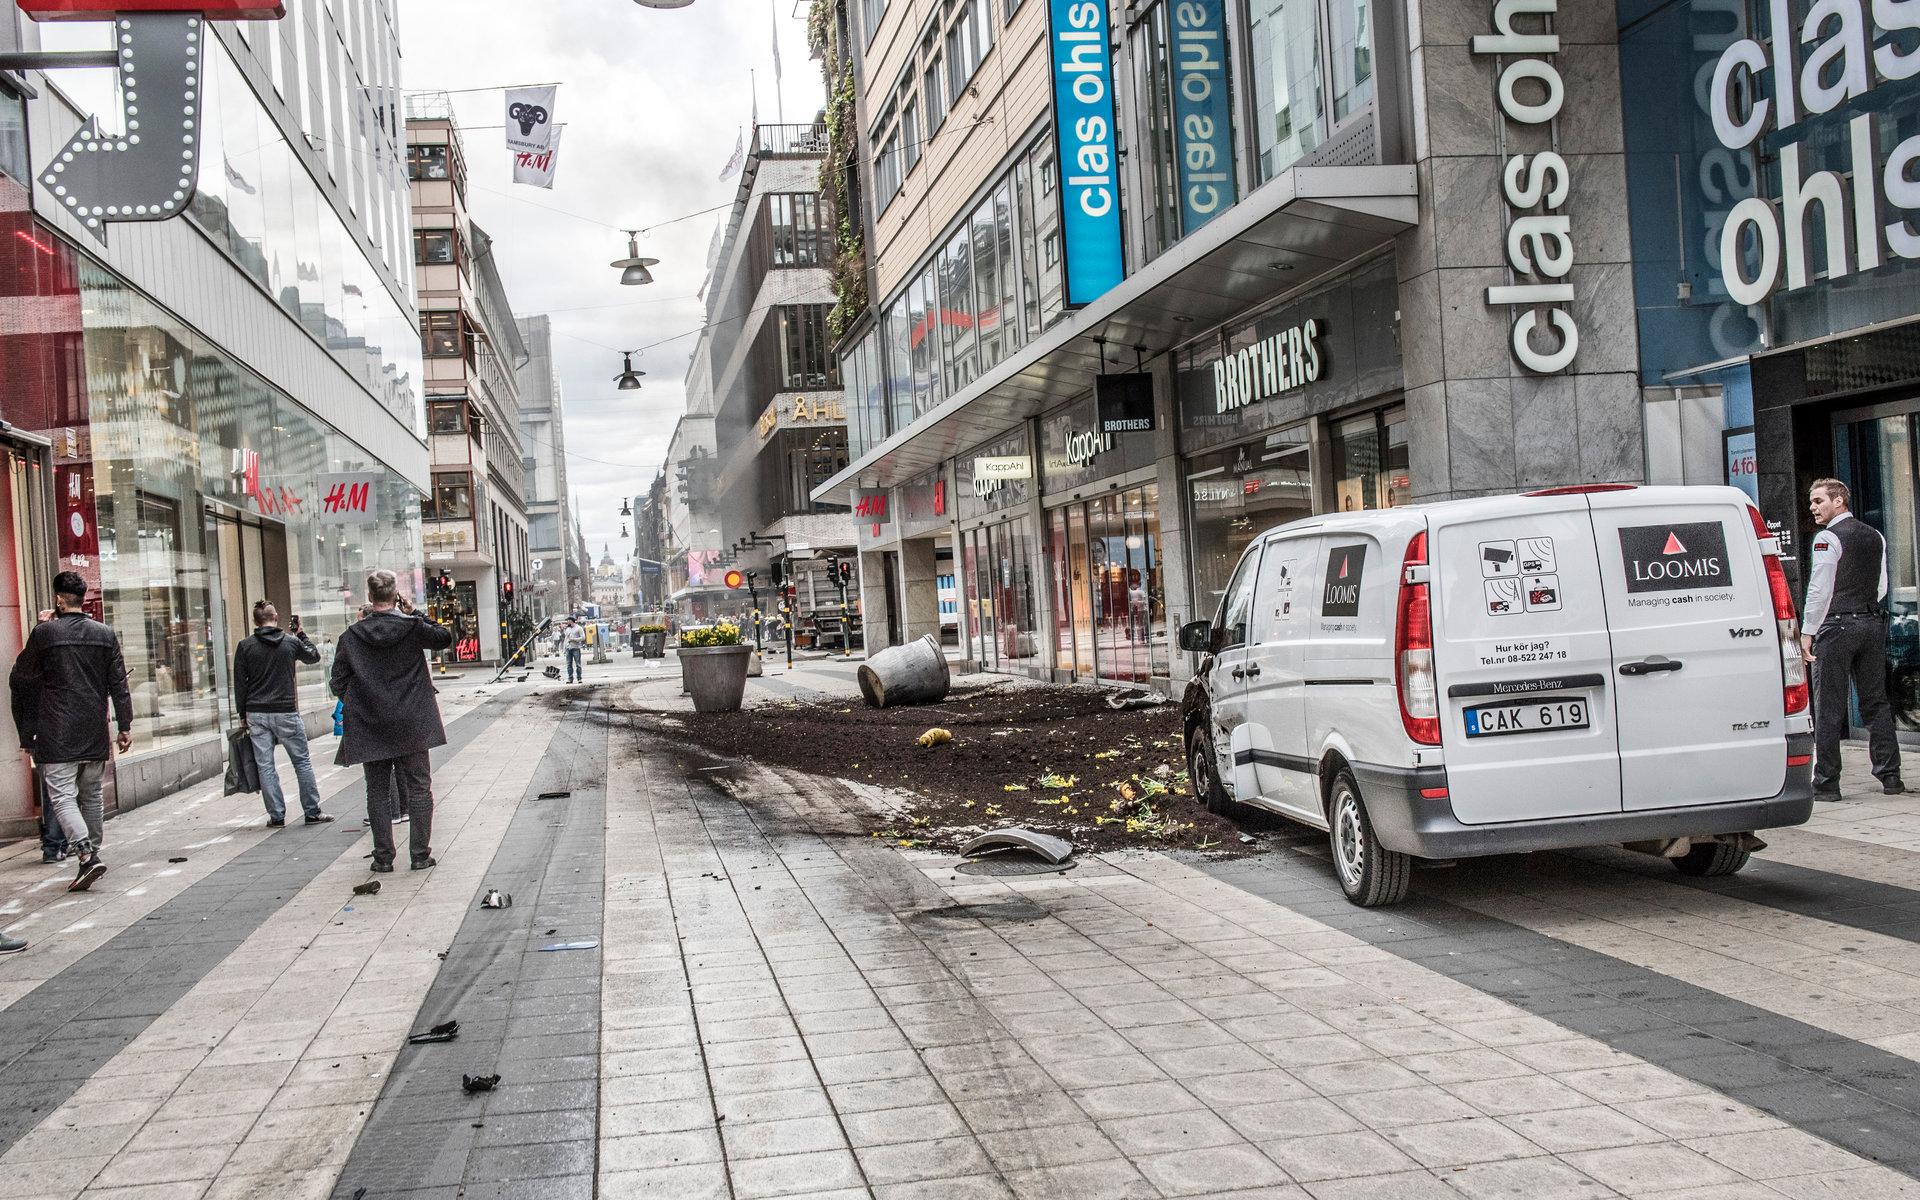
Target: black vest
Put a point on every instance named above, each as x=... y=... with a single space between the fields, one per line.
x=1856 y=585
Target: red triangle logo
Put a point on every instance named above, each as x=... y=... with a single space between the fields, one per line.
x=1673 y=545
x=1344 y=563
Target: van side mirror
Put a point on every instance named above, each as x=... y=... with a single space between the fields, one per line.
x=1197 y=637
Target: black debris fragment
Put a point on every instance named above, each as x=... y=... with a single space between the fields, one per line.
x=479 y=1083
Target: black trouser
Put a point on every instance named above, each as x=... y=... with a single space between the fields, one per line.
x=392 y=781
x=1851 y=647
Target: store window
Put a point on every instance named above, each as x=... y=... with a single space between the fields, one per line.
x=441 y=335
x=434 y=247
x=1289 y=102
x=1234 y=495
x=1011 y=586
x=452 y=497
x=1109 y=587
x=1369 y=461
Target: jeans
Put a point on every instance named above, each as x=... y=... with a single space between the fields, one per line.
x=290 y=731
x=74 y=793
x=1852 y=649
x=574 y=673
x=388 y=779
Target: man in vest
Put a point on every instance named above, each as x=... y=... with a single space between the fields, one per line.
x=1845 y=635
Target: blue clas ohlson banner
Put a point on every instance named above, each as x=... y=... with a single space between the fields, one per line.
x=1202 y=112
x=1083 y=136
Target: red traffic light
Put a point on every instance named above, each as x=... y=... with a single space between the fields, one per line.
x=734 y=579
x=106 y=10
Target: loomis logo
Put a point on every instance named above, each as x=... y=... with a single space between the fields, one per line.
x=1342 y=595
x=1664 y=558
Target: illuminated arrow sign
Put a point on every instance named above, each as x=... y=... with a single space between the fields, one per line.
x=148 y=172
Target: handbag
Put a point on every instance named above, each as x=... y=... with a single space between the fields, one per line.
x=243 y=773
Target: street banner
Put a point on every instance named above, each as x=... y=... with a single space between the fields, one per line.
x=530 y=124
x=536 y=170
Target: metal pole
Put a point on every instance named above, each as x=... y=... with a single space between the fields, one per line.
x=50 y=60
x=523 y=645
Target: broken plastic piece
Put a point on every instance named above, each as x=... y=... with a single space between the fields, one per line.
x=495 y=898
x=177 y=860
x=553 y=795
x=569 y=946
x=446 y=1031
x=1055 y=850
x=479 y=1083
x=370 y=888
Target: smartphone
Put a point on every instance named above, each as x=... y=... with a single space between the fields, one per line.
x=296 y=623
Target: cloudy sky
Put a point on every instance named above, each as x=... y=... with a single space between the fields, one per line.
x=652 y=102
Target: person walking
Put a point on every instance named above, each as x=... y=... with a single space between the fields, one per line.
x=574 y=637
x=266 y=695
x=392 y=716
x=63 y=680
x=1844 y=636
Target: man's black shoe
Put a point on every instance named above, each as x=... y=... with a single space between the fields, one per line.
x=11 y=945
x=91 y=869
x=382 y=868
x=1826 y=794
x=319 y=819
x=1893 y=787
x=275 y=822
x=53 y=856
x=421 y=864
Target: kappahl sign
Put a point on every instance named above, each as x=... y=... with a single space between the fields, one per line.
x=1840 y=65
x=1539 y=236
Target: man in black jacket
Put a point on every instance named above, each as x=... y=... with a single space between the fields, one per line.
x=392 y=716
x=266 y=695
x=65 y=675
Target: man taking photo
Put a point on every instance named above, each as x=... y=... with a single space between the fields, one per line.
x=266 y=695
x=392 y=716
x=66 y=674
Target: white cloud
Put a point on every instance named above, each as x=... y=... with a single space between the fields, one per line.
x=652 y=101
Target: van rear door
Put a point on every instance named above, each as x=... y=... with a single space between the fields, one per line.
x=1696 y=650
x=1523 y=660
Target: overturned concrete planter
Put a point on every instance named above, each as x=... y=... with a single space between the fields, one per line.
x=915 y=673
x=715 y=676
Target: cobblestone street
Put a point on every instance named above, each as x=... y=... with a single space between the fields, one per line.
x=713 y=983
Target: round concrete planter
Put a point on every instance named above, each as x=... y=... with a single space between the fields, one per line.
x=715 y=676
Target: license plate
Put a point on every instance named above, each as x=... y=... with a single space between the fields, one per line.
x=1538 y=716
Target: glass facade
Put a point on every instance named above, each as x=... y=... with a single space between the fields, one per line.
x=1109 y=587
x=256 y=201
x=1289 y=92
x=1235 y=494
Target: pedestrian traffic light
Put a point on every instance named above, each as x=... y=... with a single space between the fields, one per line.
x=506 y=591
x=845 y=569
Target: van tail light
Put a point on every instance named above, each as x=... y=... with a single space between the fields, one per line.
x=1413 y=650
x=1793 y=668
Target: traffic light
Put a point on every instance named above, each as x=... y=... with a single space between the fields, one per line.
x=845 y=570
x=506 y=591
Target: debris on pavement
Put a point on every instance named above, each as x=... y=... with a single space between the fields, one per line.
x=446 y=1031
x=1055 y=850
x=479 y=1083
x=495 y=898
x=370 y=888
x=181 y=859
x=569 y=946
x=553 y=795
x=934 y=737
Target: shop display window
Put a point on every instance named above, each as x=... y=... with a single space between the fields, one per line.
x=1235 y=494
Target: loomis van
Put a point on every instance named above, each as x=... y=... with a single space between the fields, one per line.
x=1571 y=667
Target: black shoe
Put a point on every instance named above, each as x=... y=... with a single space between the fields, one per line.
x=1827 y=795
x=382 y=868
x=53 y=856
x=421 y=864
x=1893 y=787
x=11 y=945
x=91 y=869
x=275 y=822
x=319 y=819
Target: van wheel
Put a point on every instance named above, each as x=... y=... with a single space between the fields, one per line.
x=1203 y=772
x=1708 y=859
x=1370 y=874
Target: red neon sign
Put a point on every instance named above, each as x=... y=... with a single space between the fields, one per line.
x=106 y=10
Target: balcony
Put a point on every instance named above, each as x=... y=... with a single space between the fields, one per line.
x=790 y=141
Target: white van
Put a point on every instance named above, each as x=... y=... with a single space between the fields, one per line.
x=1571 y=667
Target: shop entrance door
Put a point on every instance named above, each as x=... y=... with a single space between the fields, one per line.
x=249 y=563
x=1874 y=455
x=26 y=586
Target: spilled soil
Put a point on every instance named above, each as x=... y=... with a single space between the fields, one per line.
x=1056 y=759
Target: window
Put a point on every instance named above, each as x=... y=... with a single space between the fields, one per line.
x=956 y=316
x=446 y=416
x=910 y=138
x=799 y=229
x=871 y=12
x=1352 y=56
x=886 y=169
x=805 y=360
x=434 y=247
x=451 y=498
x=932 y=93
x=442 y=336
x=1287 y=90
x=429 y=162
x=1237 y=605
x=968 y=40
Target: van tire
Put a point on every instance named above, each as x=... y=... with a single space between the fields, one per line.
x=1370 y=874
x=1203 y=772
x=1709 y=859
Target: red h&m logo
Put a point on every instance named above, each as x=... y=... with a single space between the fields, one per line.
x=106 y=10
x=346 y=498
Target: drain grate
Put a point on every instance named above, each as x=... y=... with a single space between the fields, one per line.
x=1005 y=867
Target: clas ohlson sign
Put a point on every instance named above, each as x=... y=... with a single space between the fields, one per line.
x=1082 y=64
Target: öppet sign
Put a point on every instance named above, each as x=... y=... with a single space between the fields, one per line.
x=103 y=10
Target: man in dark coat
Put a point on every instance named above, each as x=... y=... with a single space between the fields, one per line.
x=266 y=694
x=392 y=716
x=66 y=674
